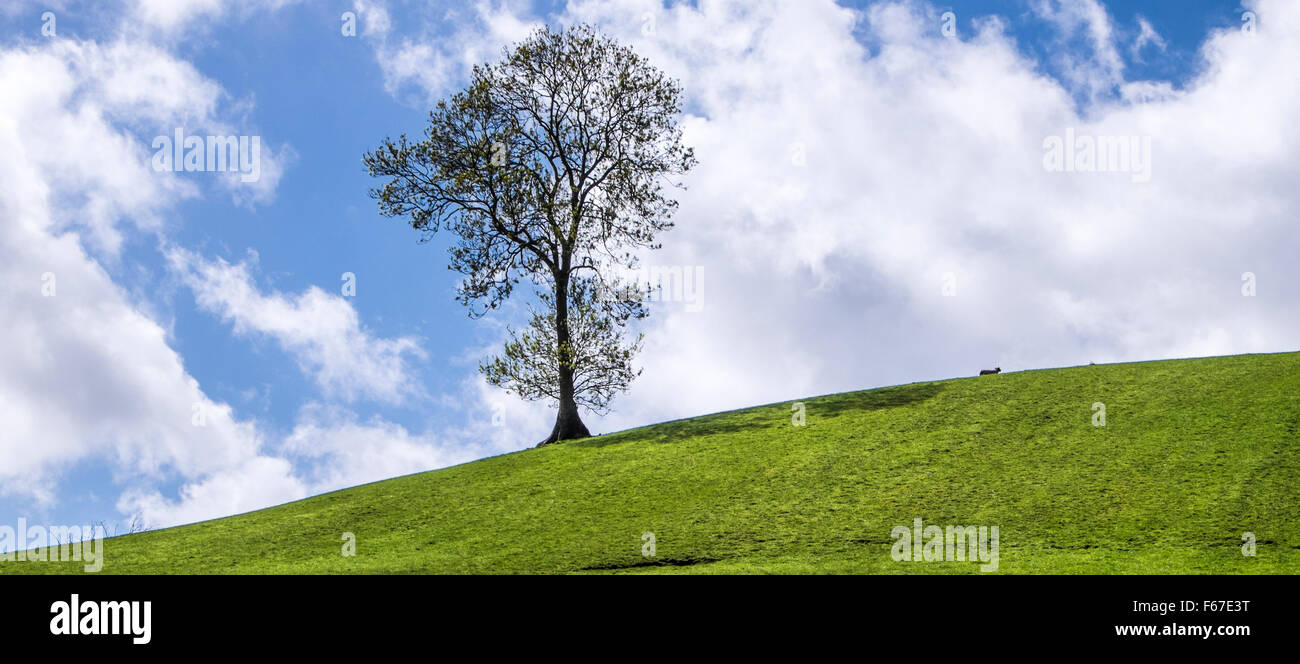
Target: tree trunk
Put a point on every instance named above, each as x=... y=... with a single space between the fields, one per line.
x=568 y=425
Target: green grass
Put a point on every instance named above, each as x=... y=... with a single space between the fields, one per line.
x=1193 y=454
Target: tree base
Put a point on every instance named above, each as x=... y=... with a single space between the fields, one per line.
x=567 y=427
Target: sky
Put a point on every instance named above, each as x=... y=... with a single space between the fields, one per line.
x=887 y=192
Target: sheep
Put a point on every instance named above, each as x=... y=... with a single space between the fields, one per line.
x=987 y=372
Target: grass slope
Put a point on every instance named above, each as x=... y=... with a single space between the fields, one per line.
x=1193 y=454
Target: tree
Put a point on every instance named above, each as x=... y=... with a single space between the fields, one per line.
x=551 y=167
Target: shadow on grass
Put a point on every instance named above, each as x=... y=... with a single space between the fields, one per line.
x=658 y=562
x=763 y=416
x=885 y=397
x=682 y=429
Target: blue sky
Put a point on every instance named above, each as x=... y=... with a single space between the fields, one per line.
x=240 y=282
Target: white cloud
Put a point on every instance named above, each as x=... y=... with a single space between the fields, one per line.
x=173 y=17
x=255 y=483
x=61 y=104
x=88 y=374
x=373 y=16
x=342 y=451
x=173 y=14
x=92 y=376
x=1098 y=70
x=321 y=330
x=433 y=64
x=1147 y=36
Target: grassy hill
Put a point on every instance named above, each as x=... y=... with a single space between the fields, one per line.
x=1193 y=454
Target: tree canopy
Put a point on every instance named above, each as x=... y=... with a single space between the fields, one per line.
x=553 y=168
